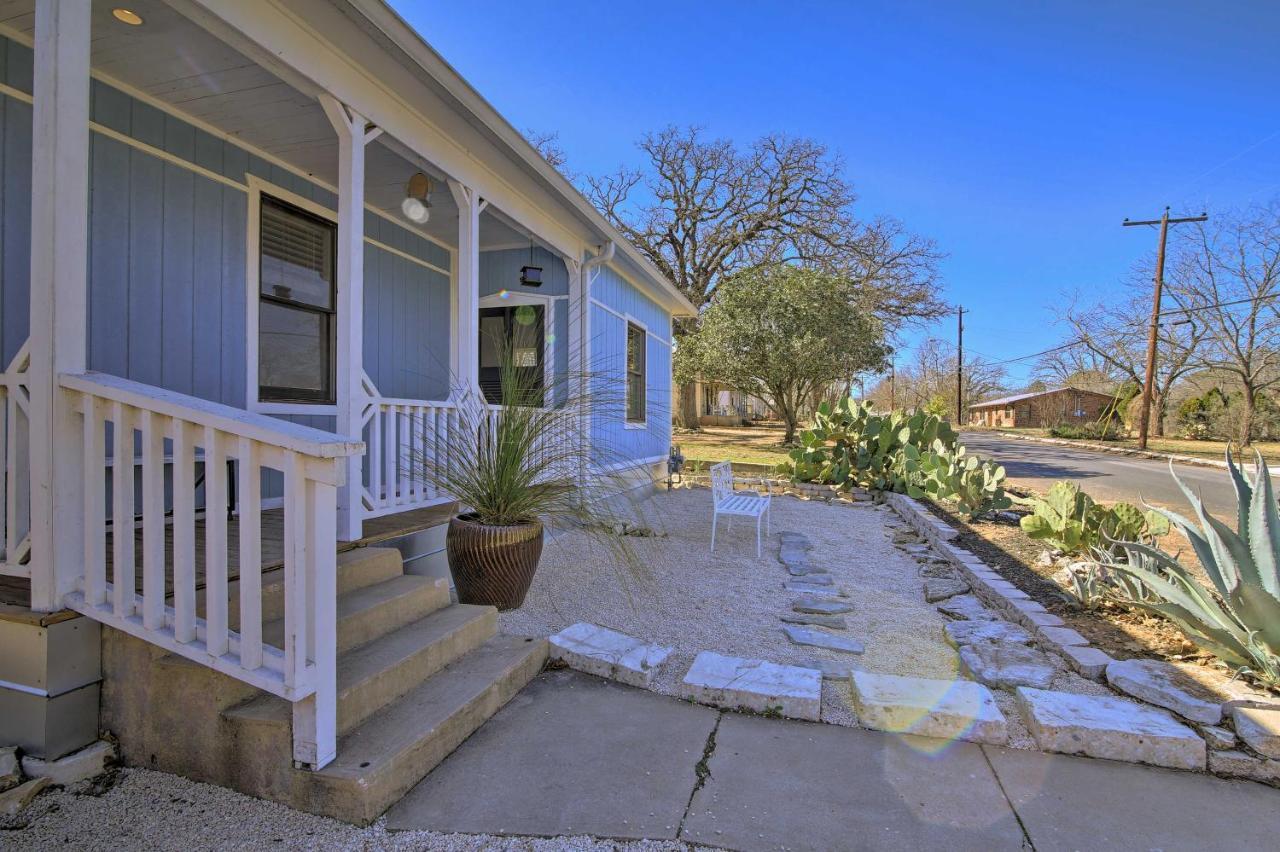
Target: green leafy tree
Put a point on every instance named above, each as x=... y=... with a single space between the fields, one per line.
x=782 y=334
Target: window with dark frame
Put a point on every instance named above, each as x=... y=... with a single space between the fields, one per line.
x=518 y=332
x=297 y=296
x=635 y=373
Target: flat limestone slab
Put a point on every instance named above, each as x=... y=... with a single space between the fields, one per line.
x=1259 y=728
x=1163 y=685
x=831 y=669
x=967 y=607
x=89 y=762
x=785 y=785
x=600 y=651
x=939 y=590
x=806 y=588
x=1111 y=728
x=821 y=606
x=1006 y=665
x=734 y=683
x=571 y=754
x=960 y=633
x=1070 y=803
x=942 y=709
x=808 y=636
x=834 y=622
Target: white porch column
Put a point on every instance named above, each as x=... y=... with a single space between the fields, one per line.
x=59 y=294
x=353 y=136
x=470 y=206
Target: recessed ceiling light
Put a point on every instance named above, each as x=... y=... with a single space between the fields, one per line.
x=127 y=16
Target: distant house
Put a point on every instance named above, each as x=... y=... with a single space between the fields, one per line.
x=1040 y=409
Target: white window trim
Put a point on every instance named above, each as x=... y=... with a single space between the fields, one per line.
x=628 y=321
x=497 y=300
x=253 y=255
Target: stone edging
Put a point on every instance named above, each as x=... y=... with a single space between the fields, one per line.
x=998 y=593
x=1196 y=461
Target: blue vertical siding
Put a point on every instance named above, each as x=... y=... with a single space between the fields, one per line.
x=609 y=433
x=406 y=326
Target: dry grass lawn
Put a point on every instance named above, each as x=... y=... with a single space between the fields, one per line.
x=739 y=444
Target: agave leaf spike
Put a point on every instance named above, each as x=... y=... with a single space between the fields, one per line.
x=1264 y=529
x=1244 y=493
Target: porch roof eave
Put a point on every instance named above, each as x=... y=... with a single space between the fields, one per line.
x=392 y=25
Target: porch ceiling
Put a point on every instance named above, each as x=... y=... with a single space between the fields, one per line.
x=175 y=61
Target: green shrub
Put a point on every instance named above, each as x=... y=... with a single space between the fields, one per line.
x=1097 y=430
x=1239 y=620
x=1070 y=520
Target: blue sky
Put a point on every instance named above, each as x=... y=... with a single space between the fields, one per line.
x=1017 y=135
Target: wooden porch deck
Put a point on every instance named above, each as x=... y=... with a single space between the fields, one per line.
x=17 y=590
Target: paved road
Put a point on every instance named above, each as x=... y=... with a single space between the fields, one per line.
x=1105 y=476
x=572 y=755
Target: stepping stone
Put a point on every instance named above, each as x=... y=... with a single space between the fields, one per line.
x=818 y=579
x=831 y=669
x=756 y=685
x=10 y=772
x=1109 y=728
x=1008 y=665
x=818 y=639
x=1259 y=728
x=13 y=801
x=802 y=569
x=821 y=606
x=915 y=549
x=805 y=587
x=607 y=653
x=967 y=607
x=795 y=539
x=941 y=572
x=835 y=622
x=944 y=709
x=1163 y=685
x=793 y=555
x=960 y=633
x=940 y=590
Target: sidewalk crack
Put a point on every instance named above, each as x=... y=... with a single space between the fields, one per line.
x=1026 y=835
x=702 y=769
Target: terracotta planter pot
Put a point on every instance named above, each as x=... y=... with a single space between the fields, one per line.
x=492 y=565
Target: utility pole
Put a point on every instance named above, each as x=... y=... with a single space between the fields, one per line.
x=893 y=402
x=960 y=312
x=1153 y=332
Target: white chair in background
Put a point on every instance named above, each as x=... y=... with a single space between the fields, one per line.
x=725 y=501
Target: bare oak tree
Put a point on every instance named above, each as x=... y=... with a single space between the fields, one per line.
x=704 y=209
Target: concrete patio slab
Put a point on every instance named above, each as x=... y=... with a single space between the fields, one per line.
x=571 y=754
x=1070 y=803
x=797 y=786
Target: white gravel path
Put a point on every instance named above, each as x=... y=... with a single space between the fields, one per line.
x=729 y=601
x=158 y=811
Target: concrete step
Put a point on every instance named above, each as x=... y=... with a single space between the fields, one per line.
x=374 y=611
x=357 y=568
x=374 y=675
x=394 y=749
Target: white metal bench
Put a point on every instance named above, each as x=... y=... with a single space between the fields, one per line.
x=725 y=501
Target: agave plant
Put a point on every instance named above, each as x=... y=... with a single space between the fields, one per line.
x=1239 y=620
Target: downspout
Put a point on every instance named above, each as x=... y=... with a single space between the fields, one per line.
x=584 y=324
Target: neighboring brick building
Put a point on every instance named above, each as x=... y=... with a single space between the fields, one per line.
x=1040 y=410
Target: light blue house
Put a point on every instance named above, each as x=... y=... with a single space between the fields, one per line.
x=249 y=252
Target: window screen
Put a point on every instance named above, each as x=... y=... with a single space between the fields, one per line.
x=297 y=292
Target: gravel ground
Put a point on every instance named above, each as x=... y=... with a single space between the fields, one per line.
x=674 y=591
x=142 y=809
x=680 y=594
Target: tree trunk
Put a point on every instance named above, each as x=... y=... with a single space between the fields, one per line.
x=687 y=411
x=1246 y=422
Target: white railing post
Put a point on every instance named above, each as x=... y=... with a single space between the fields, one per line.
x=470 y=206
x=353 y=136
x=59 y=298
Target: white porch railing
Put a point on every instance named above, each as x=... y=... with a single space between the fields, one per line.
x=15 y=484
x=126 y=415
x=405 y=435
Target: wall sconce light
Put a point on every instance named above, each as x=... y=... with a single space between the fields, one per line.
x=531 y=276
x=127 y=16
x=417 y=199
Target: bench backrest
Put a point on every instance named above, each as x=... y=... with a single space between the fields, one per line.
x=721 y=482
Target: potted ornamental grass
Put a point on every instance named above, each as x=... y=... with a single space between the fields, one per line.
x=519 y=460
